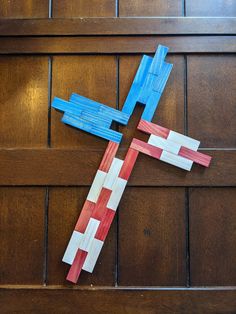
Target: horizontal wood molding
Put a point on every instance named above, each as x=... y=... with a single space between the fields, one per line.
x=75 y=167
x=116 y=44
x=118 y=26
x=117 y=301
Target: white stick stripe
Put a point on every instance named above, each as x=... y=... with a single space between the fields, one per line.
x=89 y=234
x=96 y=186
x=92 y=256
x=176 y=160
x=183 y=140
x=113 y=173
x=164 y=144
x=72 y=247
x=117 y=191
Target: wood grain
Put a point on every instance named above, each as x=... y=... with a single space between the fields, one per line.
x=83 y=8
x=152 y=237
x=64 y=208
x=210 y=8
x=22 y=235
x=24 y=101
x=91 y=76
x=74 y=167
x=118 y=301
x=150 y=8
x=118 y=26
x=117 y=44
x=213 y=236
x=24 y=9
x=211 y=100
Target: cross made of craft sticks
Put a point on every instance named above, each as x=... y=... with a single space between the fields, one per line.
x=113 y=174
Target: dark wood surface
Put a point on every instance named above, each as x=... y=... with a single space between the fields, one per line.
x=116 y=44
x=118 y=301
x=24 y=8
x=118 y=26
x=76 y=167
x=171 y=248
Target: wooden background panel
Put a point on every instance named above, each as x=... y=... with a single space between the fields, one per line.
x=23 y=101
x=170 y=112
x=211 y=100
x=64 y=207
x=213 y=236
x=150 y=8
x=22 y=235
x=152 y=237
x=118 y=301
x=84 y=8
x=91 y=76
x=211 y=8
x=24 y=9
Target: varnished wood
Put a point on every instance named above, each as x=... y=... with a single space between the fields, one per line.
x=212 y=116
x=210 y=8
x=22 y=235
x=150 y=8
x=24 y=9
x=91 y=76
x=212 y=236
x=75 y=167
x=23 y=101
x=65 y=206
x=150 y=222
x=118 y=301
x=117 y=44
x=84 y=8
x=120 y=26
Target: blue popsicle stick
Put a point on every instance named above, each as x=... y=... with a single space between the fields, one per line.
x=64 y=105
x=161 y=80
x=74 y=109
x=114 y=114
x=137 y=84
x=158 y=60
x=91 y=127
x=151 y=106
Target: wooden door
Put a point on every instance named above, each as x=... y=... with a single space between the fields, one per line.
x=171 y=248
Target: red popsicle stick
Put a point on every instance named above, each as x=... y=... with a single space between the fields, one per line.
x=108 y=156
x=77 y=265
x=199 y=158
x=105 y=224
x=84 y=217
x=152 y=128
x=146 y=148
x=128 y=164
x=100 y=207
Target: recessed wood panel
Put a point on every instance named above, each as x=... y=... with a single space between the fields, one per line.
x=23 y=101
x=64 y=208
x=150 y=8
x=170 y=111
x=152 y=237
x=84 y=8
x=213 y=236
x=211 y=100
x=91 y=76
x=211 y=8
x=24 y=8
x=22 y=235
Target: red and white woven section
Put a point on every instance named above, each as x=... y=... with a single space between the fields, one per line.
x=98 y=211
x=109 y=184
x=172 y=147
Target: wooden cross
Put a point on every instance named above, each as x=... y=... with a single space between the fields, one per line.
x=113 y=173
